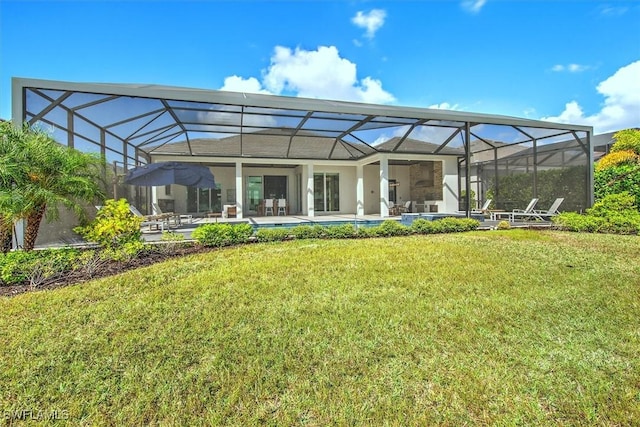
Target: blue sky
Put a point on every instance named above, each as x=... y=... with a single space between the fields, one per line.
x=568 y=61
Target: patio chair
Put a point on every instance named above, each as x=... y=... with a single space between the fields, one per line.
x=552 y=211
x=171 y=216
x=484 y=209
x=522 y=213
x=282 y=206
x=405 y=208
x=148 y=220
x=268 y=207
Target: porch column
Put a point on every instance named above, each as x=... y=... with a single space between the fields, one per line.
x=154 y=199
x=360 y=190
x=449 y=185
x=310 y=200
x=384 y=186
x=239 y=198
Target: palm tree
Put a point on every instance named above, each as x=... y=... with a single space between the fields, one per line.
x=11 y=141
x=41 y=176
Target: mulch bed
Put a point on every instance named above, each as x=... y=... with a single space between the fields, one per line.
x=106 y=269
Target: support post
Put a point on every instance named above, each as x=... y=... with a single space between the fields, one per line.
x=360 y=190
x=384 y=186
x=239 y=193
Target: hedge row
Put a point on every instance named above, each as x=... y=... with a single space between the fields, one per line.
x=218 y=235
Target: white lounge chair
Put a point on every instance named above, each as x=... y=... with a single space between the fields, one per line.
x=527 y=212
x=552 y=211
x=484 y=209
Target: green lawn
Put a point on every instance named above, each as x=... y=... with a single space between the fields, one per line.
x=507 y=328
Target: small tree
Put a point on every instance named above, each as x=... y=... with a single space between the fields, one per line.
x=38 y=175
x=113 y=227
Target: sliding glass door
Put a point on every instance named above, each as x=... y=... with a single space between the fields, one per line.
x=326 y=192
x=204 y=199
x=254 y=192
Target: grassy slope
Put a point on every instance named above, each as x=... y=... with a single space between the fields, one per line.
x=512 y=327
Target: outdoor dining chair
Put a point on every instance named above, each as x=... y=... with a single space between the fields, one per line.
x=282 y=206
x=268 y=207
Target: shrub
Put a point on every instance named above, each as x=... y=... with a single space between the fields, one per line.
x=572 y=221
x=272 y=234
x=392 y=228
x=220 y=234
x=36 y=266
x=618 y=179
x=342 y=231
x=365 y=232
x=170 y=242
x=308 y=231
x=503 y=225
x=113 y=227
x=624 y=157
x=424 y=226
x=457 y=225
x=615 y=213
x=628 y=139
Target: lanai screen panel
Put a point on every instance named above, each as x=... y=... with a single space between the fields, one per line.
x=129 y=124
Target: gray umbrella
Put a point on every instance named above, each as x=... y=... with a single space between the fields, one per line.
x=165 y=173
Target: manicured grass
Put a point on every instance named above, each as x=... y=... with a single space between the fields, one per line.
x=507 y=327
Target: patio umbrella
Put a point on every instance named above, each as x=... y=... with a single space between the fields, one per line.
x=165 y=173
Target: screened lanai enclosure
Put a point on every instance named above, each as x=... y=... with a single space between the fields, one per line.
x=322 y=156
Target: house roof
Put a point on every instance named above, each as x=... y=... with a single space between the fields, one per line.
x=138 y=121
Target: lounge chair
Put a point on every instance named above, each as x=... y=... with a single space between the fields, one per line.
x=484 y=209
x=521 y=213
x=552 y=211
x=176 y=218
x=149 y=220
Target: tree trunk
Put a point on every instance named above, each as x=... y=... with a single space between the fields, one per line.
x=33 y=225
x=6 y=236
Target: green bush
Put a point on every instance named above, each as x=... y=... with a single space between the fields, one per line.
x=457 y=225
x=113 y=227
x=391 y=228
x=20 y=266
x=365 y=232
x=615 y=213
x=425 y=226
x=220 y=234
x=272 y=234
x=444 y=225
x=342 y=231
x=308 y=231
x=618 y=179
x=503 y=225
x=573 y=221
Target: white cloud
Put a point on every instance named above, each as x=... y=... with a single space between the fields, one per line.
x=239 y=84
x=371 y=21
x=608 y=10
x=473 y=6
x=572 y=68
x=621 y=108
x=444 y=106
x=321 y=73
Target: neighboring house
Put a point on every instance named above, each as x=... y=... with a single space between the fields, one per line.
x=323 y=156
